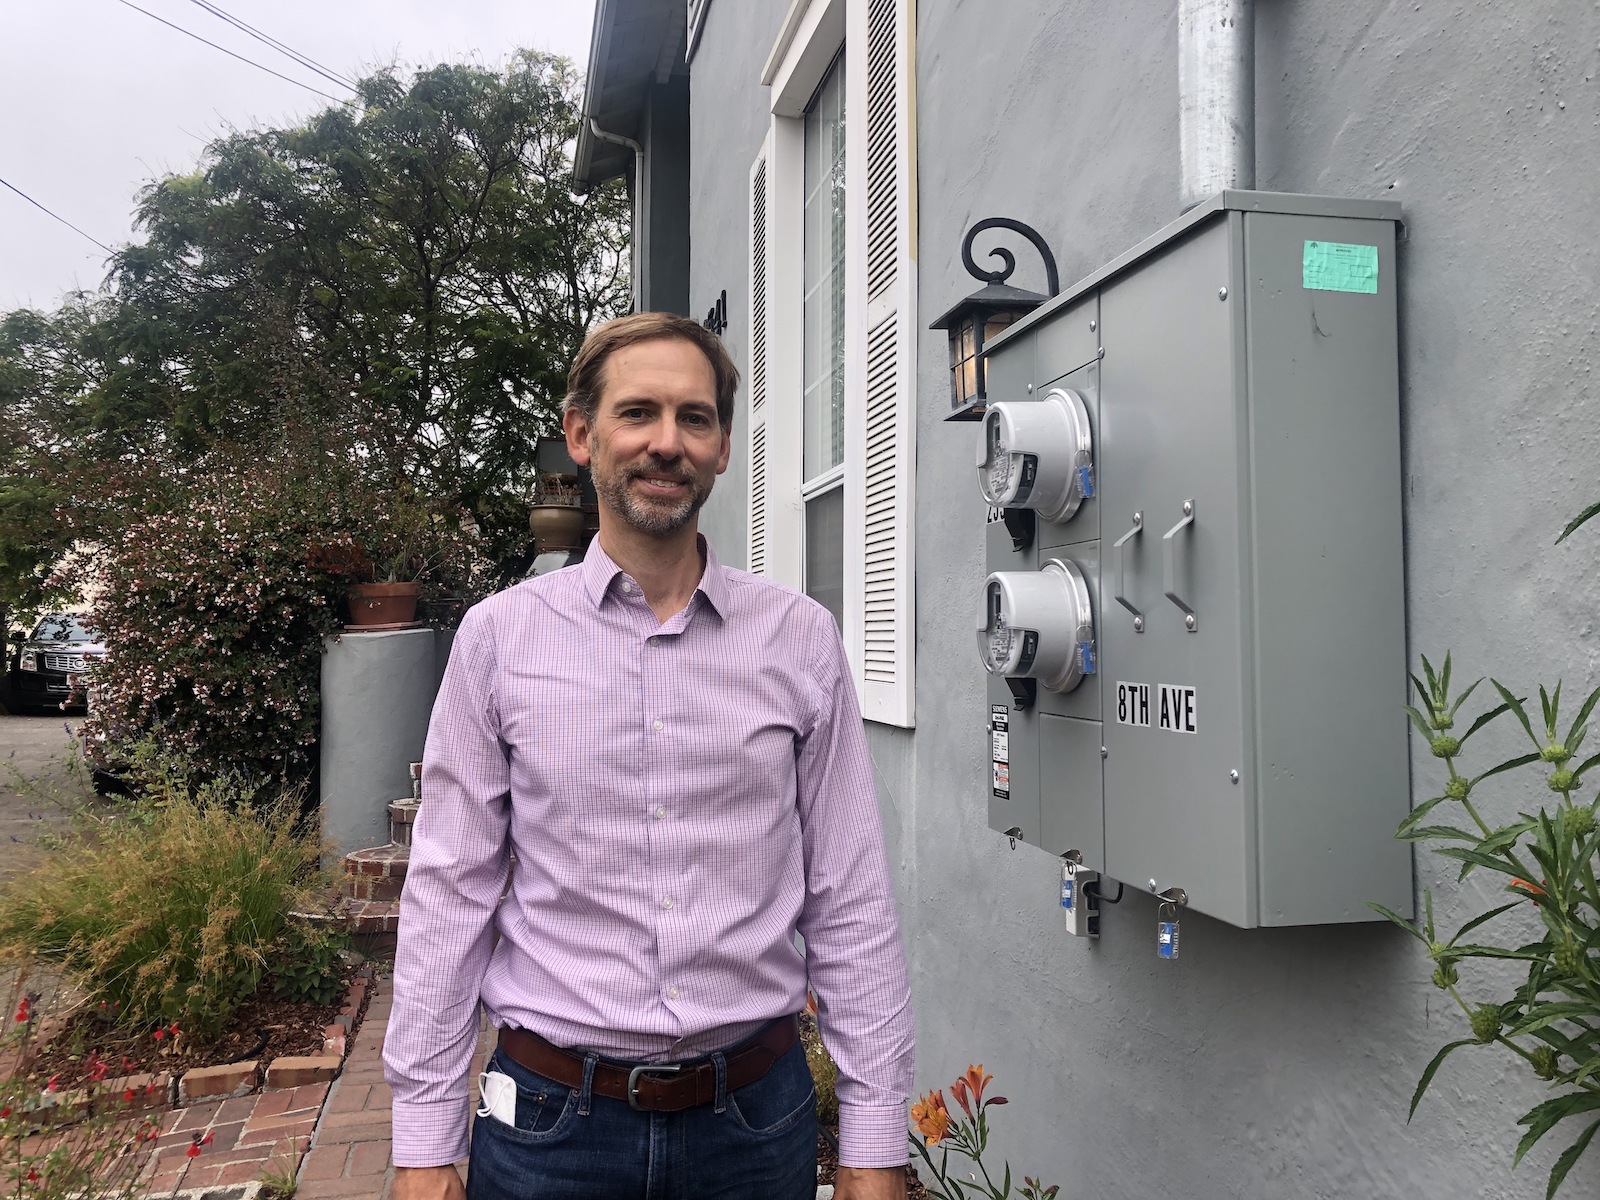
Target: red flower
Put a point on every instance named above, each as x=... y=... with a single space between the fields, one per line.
x=128 y=1096
x=159 y=1034
x=23 y=1010
x=1531 y=890
x=5 y=1112
x=33 y=1176
x=51 y=1085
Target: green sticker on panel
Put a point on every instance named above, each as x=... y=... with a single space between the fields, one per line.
x=1340 y=267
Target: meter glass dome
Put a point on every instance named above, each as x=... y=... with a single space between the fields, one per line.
x=1038 y=625
x=1002 y=467
x=1038 y=454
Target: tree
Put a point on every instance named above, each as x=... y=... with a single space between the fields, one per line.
x=423 y=249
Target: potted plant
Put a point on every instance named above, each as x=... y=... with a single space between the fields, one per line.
x=409 y=544
x=556 y=516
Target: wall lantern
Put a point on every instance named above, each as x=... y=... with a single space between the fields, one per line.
x=982 y=316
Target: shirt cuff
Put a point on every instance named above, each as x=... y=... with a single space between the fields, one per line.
x=871 y=1136
x=429 y=1134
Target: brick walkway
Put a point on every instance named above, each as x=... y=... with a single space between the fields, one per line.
x=350 y=1150
x=249 y=1137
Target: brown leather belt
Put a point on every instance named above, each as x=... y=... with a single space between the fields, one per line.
x=655 y=1087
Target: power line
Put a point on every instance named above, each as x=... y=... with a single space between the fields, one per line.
x=57 y=216
x=267 y=39
x=231 y=54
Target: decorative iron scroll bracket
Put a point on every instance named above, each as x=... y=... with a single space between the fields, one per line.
x=1051 y=274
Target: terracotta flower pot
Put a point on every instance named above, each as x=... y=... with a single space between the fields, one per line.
x=556 y=526
x=383 y=603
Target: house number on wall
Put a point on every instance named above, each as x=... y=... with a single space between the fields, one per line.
x=717 y=318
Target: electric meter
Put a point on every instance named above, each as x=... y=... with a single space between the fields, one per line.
x=1037 y=454
x=1038 y=625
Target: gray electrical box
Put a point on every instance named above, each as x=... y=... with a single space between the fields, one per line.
x=1228 y=721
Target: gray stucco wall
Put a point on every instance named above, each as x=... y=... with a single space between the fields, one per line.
x=1263 y=1063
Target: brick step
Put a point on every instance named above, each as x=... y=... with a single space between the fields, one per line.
x=371 y=916
x=376 y=873
x=402 y=816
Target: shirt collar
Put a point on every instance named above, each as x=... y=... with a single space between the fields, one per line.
x=600 y=572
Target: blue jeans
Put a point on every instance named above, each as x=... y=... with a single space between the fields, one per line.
x=757 y=1143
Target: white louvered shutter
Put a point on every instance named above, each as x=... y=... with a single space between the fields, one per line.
x=757 y=367
x=880 y=452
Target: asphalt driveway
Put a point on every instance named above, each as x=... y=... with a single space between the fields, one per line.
x=37 y=790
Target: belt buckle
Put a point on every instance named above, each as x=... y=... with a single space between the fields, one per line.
x=647 y=1069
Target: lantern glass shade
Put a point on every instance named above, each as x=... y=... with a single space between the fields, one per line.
x=971 y=326
x=963 y=361
x=997 y=323
x=966 y=347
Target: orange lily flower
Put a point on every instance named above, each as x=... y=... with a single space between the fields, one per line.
x=931 y=1117
x=975 y=1080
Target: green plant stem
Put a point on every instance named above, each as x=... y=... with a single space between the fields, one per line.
x=1466 y=803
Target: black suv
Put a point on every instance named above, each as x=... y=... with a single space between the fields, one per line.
x=48 y=663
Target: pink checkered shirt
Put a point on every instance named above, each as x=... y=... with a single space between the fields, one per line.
x=683 y=798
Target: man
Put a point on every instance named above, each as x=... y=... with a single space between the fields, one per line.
x=673 y=752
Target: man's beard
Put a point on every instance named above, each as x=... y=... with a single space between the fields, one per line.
x=655 y=517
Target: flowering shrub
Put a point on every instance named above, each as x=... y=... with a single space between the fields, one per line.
x=1551 y=1022
x=167 y=920
x=214 y=600
x=55 y=1147
x=933 y=1125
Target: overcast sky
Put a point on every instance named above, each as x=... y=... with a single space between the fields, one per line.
x=96 y=99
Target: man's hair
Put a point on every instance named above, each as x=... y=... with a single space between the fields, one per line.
x=587 y=375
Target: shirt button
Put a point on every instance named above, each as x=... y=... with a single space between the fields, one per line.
x=656 y=724
x=667 y=903
x=661 y=813
x=655 y=641
x=672 y=993
x=626 y=586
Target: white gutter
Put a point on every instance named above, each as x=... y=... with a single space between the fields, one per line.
x=635 y=285
x=1216 y=97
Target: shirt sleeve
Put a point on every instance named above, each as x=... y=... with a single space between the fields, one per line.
x=454 y=880
x=854 y=959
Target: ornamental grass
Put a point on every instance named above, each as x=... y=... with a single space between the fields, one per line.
x=166 y=915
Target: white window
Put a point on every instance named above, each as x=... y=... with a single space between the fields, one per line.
x=823 y=341
x=833 y=343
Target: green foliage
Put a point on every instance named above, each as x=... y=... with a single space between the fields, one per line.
x=824 y=1074
x=308 y=964
x=85 y=1153
x=214 y=607
x=424 y=251
x=1547 y=862
x=168 y=920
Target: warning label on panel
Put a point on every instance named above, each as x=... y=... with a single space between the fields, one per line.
x=1000 y=742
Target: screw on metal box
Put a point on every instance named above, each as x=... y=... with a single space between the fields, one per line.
x=1122 y=574
x=1093 y=325
x=1169 y=566
x=1233 y=775
x=1222 y=293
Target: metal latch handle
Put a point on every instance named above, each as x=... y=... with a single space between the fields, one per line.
x=1122 y=563
x=1169 y=566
